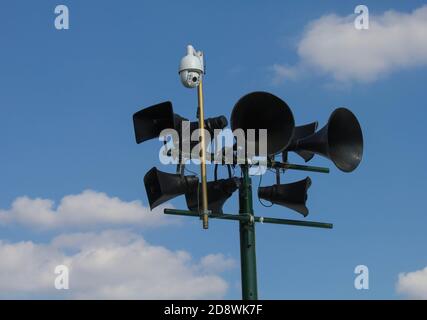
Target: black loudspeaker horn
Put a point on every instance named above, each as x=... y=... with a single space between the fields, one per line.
x=219 y=191
x=263 y=110
x=149 y=122
x=161 y=186
x=340 y=140
x=291 y=195
x=302 y=132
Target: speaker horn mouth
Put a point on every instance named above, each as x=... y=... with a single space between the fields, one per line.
x=149 y=122
x=263 y=110
x=345 y=140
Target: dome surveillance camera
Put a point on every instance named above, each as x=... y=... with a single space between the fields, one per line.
x=190 y=79
x=191 y=68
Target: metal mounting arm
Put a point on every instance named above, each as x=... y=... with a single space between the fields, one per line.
x=290 y=166
x=247 y=218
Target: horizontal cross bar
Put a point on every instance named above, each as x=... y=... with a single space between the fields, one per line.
x=247 y=218
x=290 y=166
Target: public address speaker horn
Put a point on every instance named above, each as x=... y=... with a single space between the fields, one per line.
x=219 y=191
x=149 y=122
x=340 y=140
x=162 y=186
x=263 y=110
x=290 y=195
x=302 y=132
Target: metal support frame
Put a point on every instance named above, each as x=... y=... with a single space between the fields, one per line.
x=247 y=222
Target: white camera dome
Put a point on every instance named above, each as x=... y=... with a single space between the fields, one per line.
x=191 y=68
x=190 y=79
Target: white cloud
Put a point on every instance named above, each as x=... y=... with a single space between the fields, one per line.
x=216 y=263
x=84 y=210
x=413 y=284
x=109 y=265
x=332 y=45
x=284 y=72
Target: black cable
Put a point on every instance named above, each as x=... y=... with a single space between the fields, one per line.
x=259 y=199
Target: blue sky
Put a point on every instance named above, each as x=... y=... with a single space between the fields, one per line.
x=66 y=105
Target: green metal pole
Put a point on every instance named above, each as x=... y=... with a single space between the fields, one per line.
x=247 y=239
